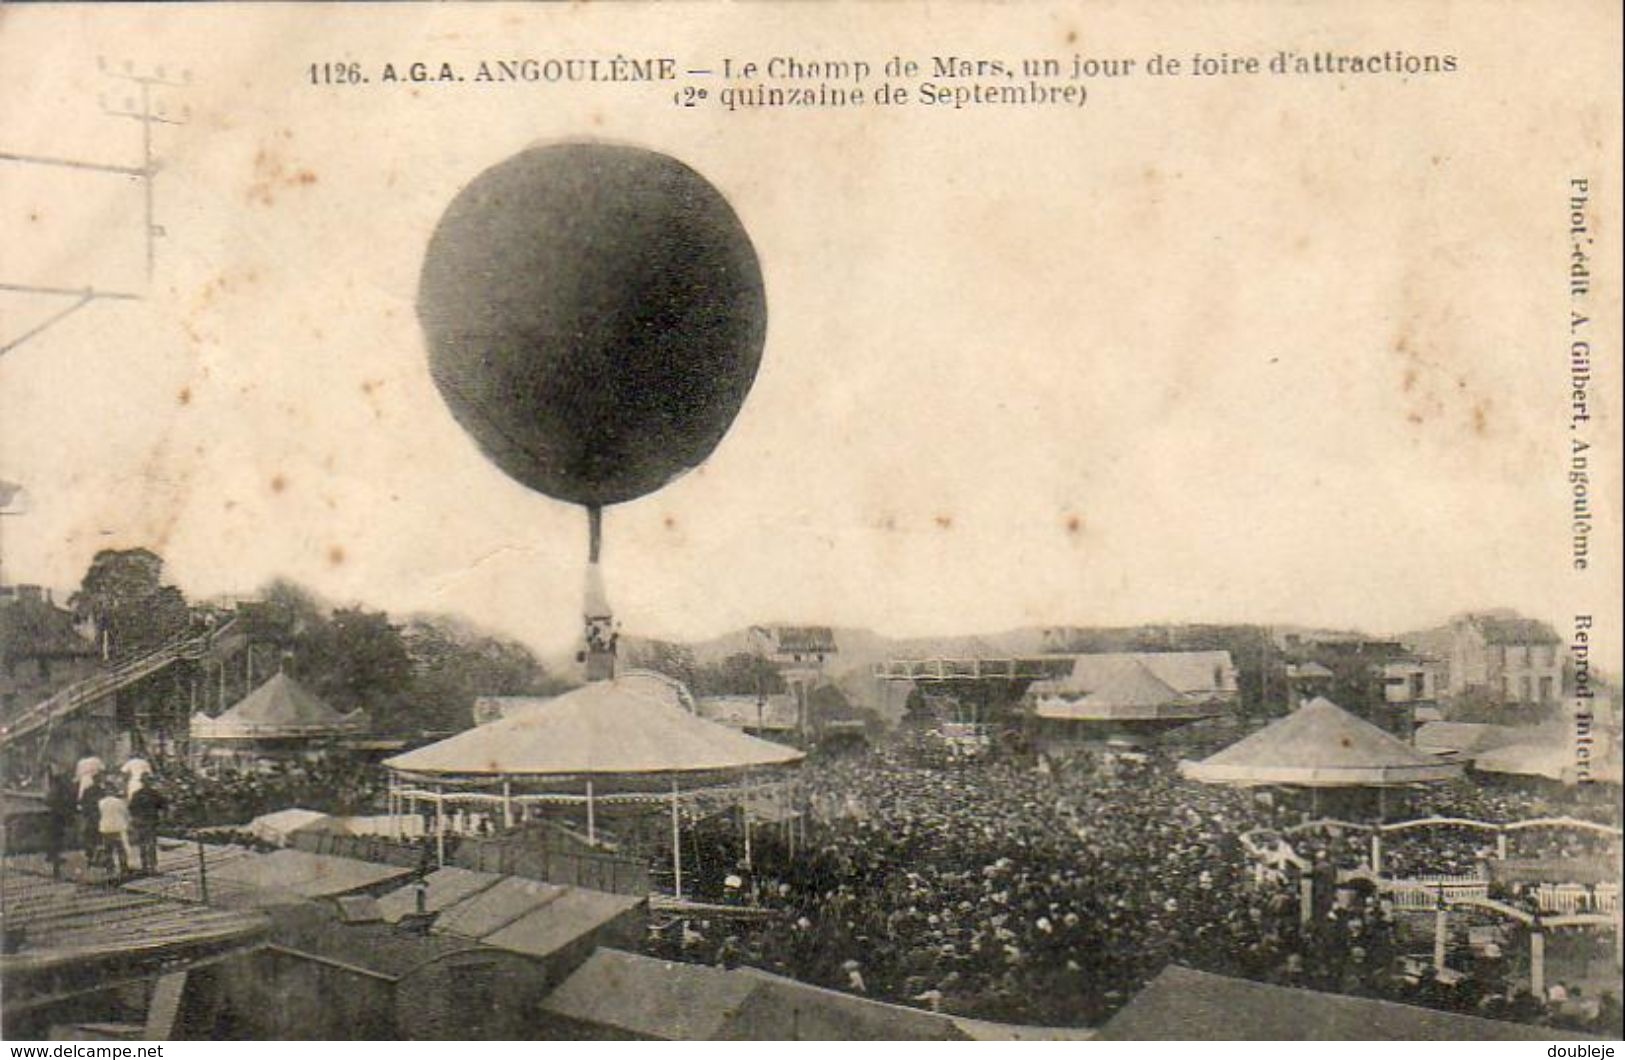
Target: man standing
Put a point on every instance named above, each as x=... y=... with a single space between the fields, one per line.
x=60 y=811
x=90 y=826
x=146 y=811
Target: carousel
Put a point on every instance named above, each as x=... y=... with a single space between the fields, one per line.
x=607 y=758
x=1345 y=763
x=1128 y=707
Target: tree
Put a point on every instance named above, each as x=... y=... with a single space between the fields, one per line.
x=123 y=596
x=285 y=613
x=663 y=656
x=152 y=623
x=453 y=665
x=740 y=674
x=1480 y=704
x=360 y=662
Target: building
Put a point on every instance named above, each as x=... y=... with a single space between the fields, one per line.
x=476 y=963
x=1513 y=659
x=1380 y=680
x=800 y=654
x=43 y=655
x=796 y=647
x=1414 y=680
x=1308 y=680
x=41 y=649
x=625 y=996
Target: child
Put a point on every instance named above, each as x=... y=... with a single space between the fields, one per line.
x=115 y=830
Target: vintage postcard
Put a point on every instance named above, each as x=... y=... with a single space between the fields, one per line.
x=919 y=521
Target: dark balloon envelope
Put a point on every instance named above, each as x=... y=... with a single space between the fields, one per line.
x=595 y=317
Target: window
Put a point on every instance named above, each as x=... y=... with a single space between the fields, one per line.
x=1545 y=689
x=1526 y=691
x=1418 y=685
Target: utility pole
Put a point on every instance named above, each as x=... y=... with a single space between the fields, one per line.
x=150 y=113
x=148 y=108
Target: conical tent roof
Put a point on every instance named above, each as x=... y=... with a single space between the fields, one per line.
x=608 y=727
x=279 y=707
x=1321 y=745
x=1131 y=692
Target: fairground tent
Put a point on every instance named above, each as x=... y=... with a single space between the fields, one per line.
x=1321 y=745
x=1130 y=692
x=1193 y=675
x=280 y=709
x=608 y=728
x=620 y=741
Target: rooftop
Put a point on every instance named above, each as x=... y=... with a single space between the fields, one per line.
x=1182 y=1004
x=1511 y=630
x=54 y=924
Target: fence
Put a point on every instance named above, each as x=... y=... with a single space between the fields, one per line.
x=1571 y=898
x=1566 y=899
x=1425 y=893
x=530 y=857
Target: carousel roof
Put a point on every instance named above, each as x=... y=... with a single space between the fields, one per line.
x=1130 y=693
x=1192 y=674
x=1321 y=745
x=608 y=727
x=281 y=707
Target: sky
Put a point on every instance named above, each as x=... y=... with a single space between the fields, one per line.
x=1201 y=350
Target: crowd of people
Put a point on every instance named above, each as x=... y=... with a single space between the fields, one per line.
x=221 y=795
x=998 y=889
x=999 y=886
x=114 y=817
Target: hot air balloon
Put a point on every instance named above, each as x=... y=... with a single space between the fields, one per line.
x=595 y=316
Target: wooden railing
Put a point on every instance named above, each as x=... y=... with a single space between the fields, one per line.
x=93 y=689
x=944 y=669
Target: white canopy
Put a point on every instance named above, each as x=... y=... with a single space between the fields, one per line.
x=281 y=708
x=1130 y=692
x=1321 y=745
x=608 y=727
